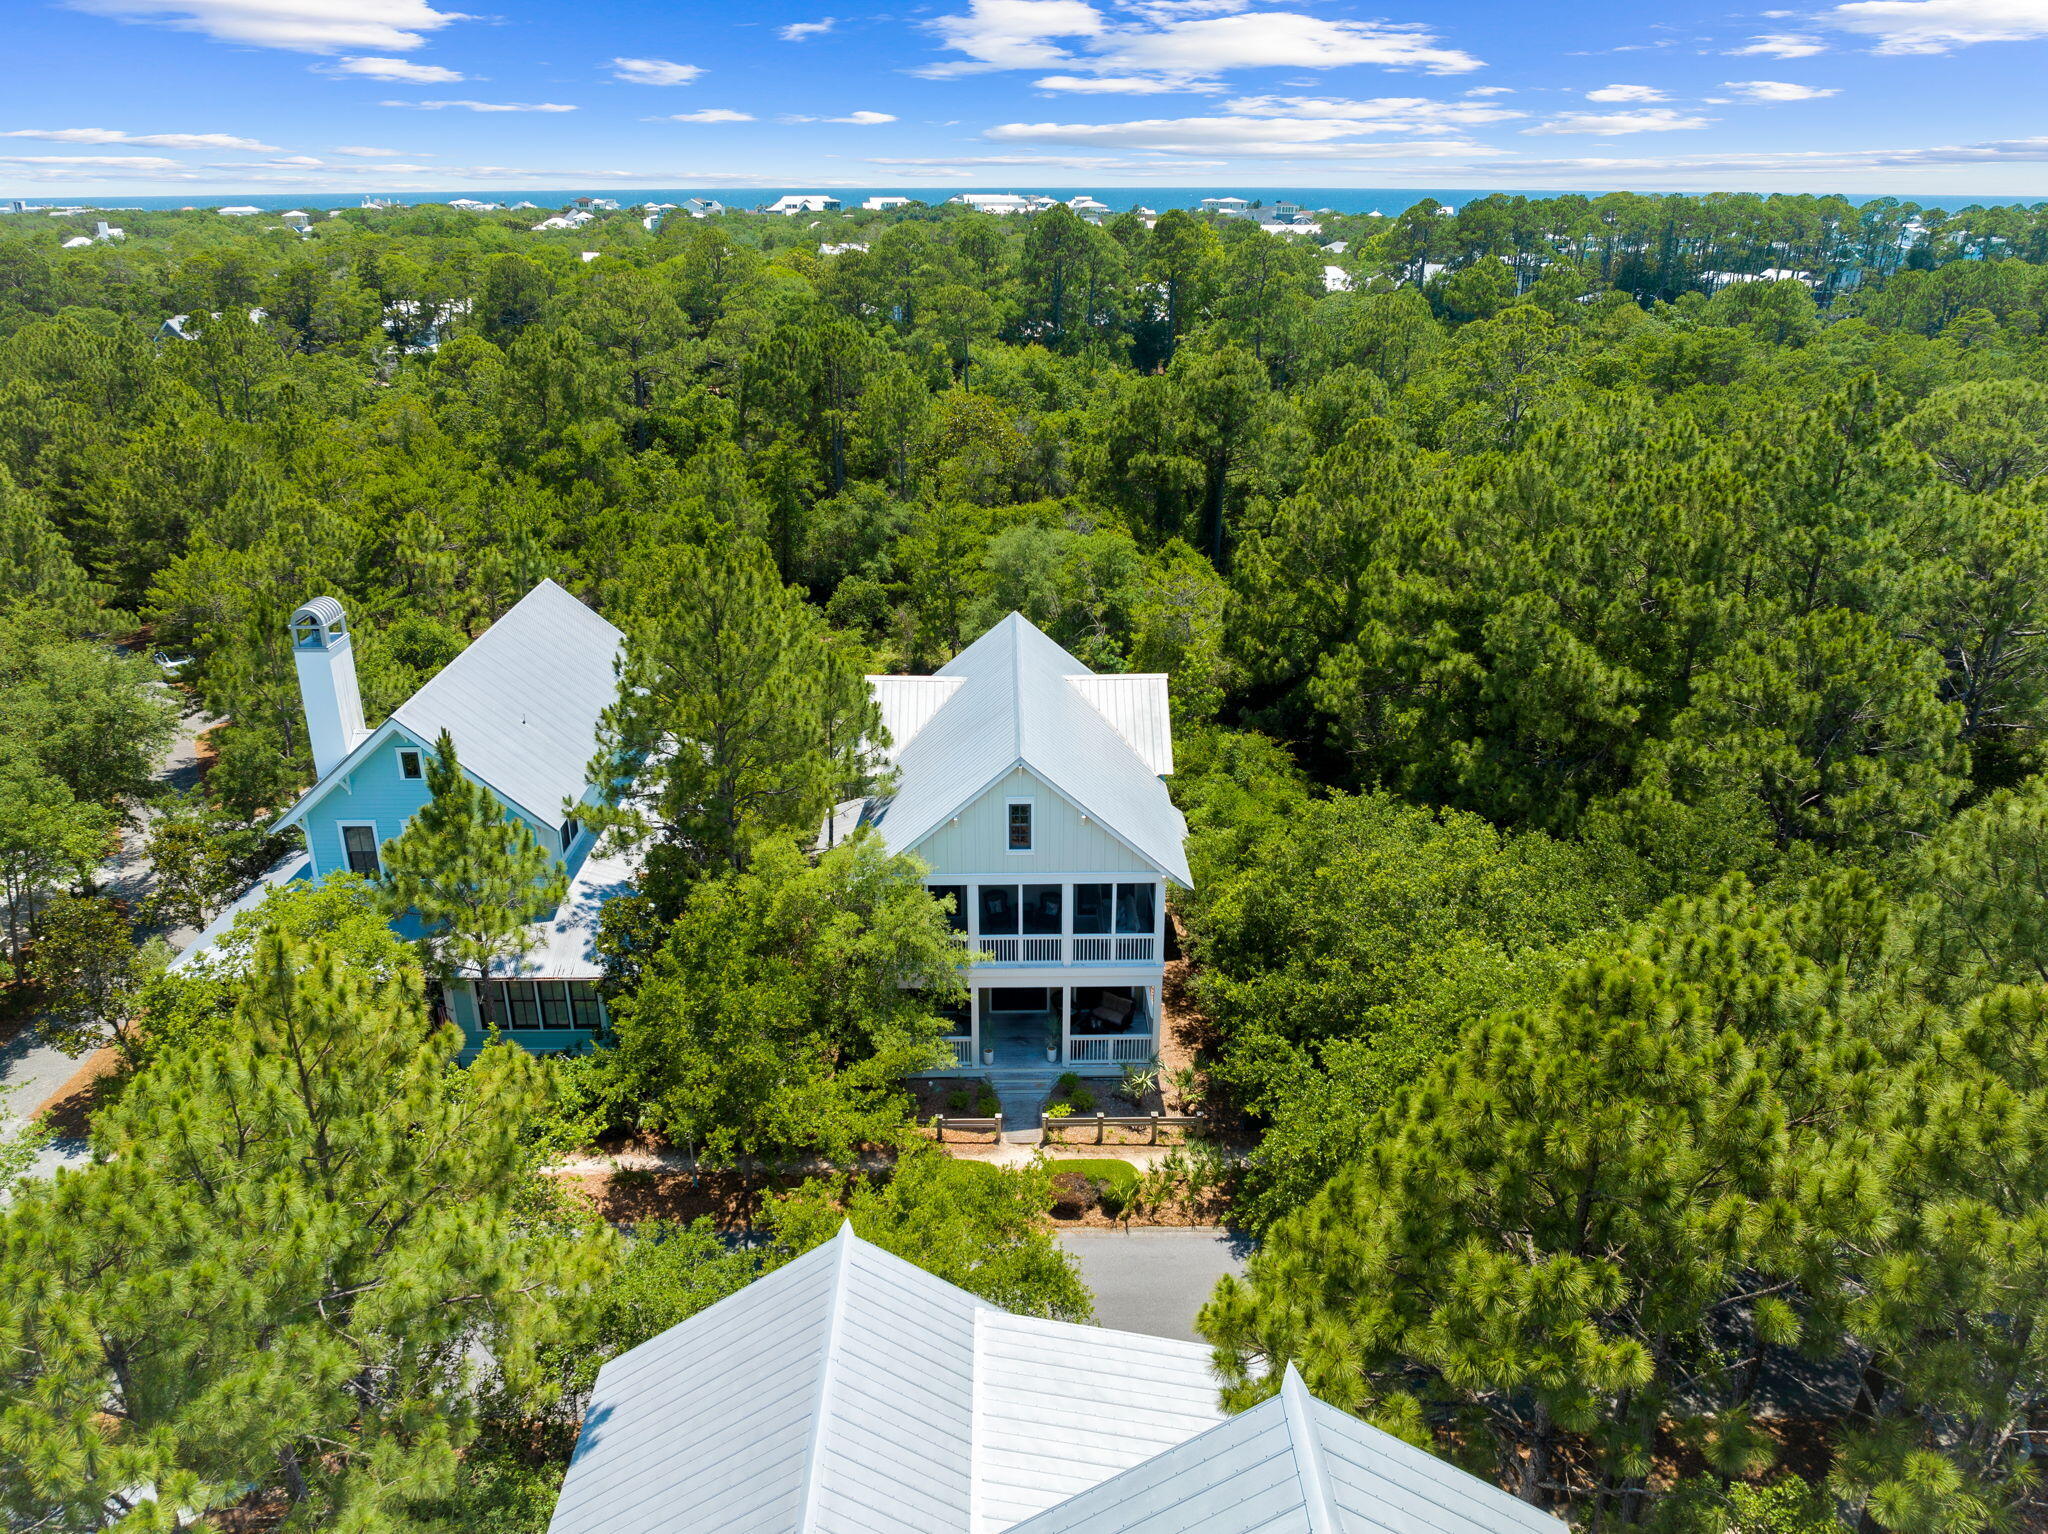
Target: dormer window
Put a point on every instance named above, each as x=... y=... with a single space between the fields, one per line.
x=410 y=765
x=1019 y=825
x=571 y=829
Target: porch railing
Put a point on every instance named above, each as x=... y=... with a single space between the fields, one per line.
x=963 y=1051
x=1114 y=1046
x=1137 y=948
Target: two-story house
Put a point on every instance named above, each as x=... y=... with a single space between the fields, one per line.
x=522 y=705
x=1031 y=786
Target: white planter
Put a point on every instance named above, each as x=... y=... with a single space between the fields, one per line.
x=988 y=1056
x=1052 y=1054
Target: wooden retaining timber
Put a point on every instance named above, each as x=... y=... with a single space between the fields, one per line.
x=967 y=1126
x=1154 y=1122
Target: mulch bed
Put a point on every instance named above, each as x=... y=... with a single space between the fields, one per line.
x=96 y=1082
x=633 y=1197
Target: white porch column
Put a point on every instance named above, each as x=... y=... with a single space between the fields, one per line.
x=1066 y=924
x=1154 y=1020
x=974 y=1024
x=1066 y=1024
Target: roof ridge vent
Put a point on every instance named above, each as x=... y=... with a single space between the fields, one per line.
x=828 y=1369
x=1324 y=1516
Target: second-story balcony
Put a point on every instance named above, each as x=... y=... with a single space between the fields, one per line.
x=1112 y=948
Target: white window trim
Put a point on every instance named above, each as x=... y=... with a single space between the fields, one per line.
x=1031 y=803
x=417 y=754
x=341 y=830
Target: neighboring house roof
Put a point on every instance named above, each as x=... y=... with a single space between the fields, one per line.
x=522 y=704
x=852 y=1391
x=1294 y=1465
x=1019 y=702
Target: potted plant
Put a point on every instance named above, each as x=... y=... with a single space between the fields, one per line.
x=988 y=1054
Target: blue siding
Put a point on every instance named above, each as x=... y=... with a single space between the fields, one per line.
x=462 y=1008
x=376 y=792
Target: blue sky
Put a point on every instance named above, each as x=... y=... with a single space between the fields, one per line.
x=168 y=96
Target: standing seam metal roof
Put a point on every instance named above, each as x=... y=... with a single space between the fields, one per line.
x=523 y=701
x=1018 y=705
x=851 y=1392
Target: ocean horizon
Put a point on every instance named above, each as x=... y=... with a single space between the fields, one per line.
x=1388 y=201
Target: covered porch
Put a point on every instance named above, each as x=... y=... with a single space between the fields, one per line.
x=1015 y=1027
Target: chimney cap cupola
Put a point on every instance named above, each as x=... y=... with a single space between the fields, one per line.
x=319 y=625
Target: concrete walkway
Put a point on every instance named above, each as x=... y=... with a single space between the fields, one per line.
x=1154 y=1279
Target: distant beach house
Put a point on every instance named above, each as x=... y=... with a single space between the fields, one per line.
x=802 y=202
x=851 y=1392
x=1004 y=202
x=883 y=204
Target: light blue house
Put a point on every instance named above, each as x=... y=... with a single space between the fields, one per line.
x=522 y=704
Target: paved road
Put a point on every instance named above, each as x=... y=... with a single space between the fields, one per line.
x=31 y=1071
x=1154 y=1280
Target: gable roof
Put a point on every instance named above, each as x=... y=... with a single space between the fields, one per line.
x=1293 y=1465
x=1016 y=704
x=522 y=704
x=851 y=1392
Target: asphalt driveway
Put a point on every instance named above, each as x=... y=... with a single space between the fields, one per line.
x=1154 y=1280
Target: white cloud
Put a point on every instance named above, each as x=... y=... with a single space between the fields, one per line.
x=149 y=140
x=708 y=115
x=1238 y=136
x=655 y=72
x=304 y=26
x=1381 y=114
x=1281 y=40
x=1012 y=34
x=482 y=106
x=393 y=69
x=366 y=151
x=1777 y=90
x=1936 y=26
x=864 y=119
x=1175 y=46
x=1609 y=124
x=1781 y=45
x=1627 y=93
x=797 y=31
x=2028 y=151
x=75 y=164
x=1491 y=90
x=1119 y=85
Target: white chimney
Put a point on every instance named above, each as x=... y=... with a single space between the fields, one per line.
x=327 y=682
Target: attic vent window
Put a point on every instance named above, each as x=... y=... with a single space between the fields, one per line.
x=1020 y=825
x=409 y=764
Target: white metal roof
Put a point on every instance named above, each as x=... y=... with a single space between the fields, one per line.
x=1135 y=703
x=1017 y=705
x=564 y=947
x=523 y=701
x=908 y=703
x=852 y=1391
x=1060 y=1407
x=1293 y=1465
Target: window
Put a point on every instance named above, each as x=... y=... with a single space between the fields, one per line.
x=409 y=764
x=1093 y=904
x=999 y=909
x=1020 y=825
x=1041 y=910
x=359 y=846
x=1134 y=907
x=571 y=829
x=527 y=1006
x=957 y=893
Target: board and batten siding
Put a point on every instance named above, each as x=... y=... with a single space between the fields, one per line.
x=976 y=840
x=376 y=792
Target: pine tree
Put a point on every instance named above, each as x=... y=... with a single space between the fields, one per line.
x=298 y=1239
x=472 y=875
x=735 y=718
